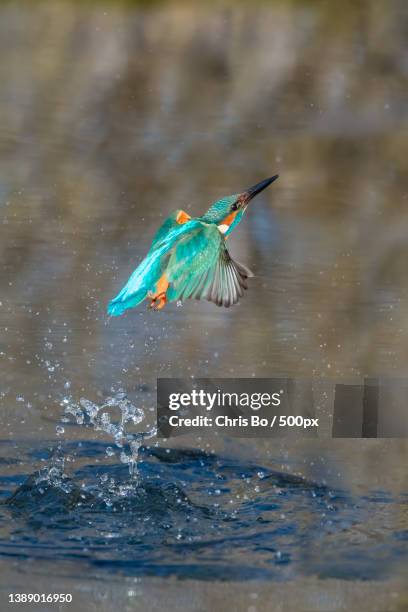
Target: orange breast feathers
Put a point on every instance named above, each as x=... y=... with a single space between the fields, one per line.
x=182 y=217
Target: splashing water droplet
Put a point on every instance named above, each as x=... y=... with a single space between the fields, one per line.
x=113 y=417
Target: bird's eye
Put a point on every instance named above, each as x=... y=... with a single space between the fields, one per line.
x=235 y=206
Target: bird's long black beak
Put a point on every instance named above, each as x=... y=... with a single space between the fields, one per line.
x=250 y=193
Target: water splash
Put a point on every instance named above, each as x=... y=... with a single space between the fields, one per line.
x=193 y=515
x=113 y=416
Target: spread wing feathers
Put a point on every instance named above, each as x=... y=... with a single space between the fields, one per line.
x=223 y=284
x=215 y=276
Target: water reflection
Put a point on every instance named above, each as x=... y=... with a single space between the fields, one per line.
x=111 y=118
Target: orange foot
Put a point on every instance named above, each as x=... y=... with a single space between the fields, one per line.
x=158 y=301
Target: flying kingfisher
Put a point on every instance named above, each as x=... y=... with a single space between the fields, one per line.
x=188 y=258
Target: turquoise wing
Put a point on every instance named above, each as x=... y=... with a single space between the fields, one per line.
x=138 y=285
x=168 y=225
x=200 y=267
x=151 y=268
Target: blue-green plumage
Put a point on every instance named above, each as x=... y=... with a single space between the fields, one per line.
x=188 y=258
x=150 y=269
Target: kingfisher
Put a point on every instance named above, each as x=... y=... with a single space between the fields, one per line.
x=189 y=259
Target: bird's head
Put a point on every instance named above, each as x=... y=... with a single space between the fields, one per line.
x=227 y=212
